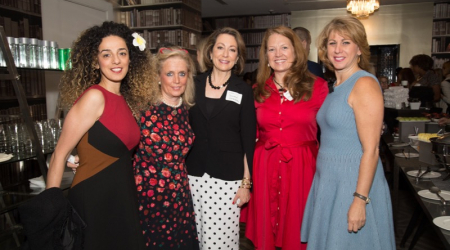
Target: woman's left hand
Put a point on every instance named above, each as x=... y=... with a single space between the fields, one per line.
x=243 y=195
x=356 y=216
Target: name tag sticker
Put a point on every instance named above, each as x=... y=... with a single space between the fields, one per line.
x=288 y=96
x=233 y=96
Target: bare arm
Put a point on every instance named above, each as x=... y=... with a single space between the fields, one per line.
x=78 y=121
x=366 y=101
x=437 y=92
x=445 y=86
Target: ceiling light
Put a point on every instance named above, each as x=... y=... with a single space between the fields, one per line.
x=362 y=8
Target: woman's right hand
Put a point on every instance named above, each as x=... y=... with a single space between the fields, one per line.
x=75 y=163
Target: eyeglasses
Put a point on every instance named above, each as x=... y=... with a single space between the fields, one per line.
x=165 y=50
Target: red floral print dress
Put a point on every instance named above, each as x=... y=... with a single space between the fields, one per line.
x=165 y=203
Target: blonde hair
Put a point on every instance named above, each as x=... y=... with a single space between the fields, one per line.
x=348 y=27
x=211 y=41
x=84 y=73
x=298 y=80
x=169 y=52
x=200 y=63
x=446 y=68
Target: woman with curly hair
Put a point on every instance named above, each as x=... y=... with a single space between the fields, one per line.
x=108 y=81
x=165 y=203
x=287 y=98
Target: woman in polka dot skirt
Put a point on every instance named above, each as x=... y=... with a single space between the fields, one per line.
x=224 y=123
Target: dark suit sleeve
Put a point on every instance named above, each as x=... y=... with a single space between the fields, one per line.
x=248 y=125
x=315 y=68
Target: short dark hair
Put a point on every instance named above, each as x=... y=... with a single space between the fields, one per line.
x=303 y=34
x=423 y=61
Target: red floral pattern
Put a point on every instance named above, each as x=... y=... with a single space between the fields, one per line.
x=165 y=203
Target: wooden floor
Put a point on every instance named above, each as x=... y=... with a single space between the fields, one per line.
x=407 y=203
x=428 y=241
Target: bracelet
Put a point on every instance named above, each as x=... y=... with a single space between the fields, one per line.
x=246 y=183
x=362 y=197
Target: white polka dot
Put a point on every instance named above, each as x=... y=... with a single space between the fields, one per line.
x=217 y=230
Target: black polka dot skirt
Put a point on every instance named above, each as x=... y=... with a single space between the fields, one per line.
x=216 y=217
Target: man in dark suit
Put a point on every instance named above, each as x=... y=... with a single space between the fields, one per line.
x=305 y=37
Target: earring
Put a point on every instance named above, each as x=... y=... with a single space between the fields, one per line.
x=268 y=65
x=159 y=82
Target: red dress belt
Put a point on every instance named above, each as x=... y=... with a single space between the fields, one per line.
x=286 y=154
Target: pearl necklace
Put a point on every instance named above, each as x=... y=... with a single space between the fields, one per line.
x=173 y=106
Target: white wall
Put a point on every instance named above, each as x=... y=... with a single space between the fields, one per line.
x=409 y=25
x=63 y=21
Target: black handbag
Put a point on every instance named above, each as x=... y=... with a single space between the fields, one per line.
x=50 y=222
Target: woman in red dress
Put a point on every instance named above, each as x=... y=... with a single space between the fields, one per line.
x=287 y=98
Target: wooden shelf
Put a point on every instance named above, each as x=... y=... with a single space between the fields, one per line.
x=19 y=11
x=441 y=53
x=157 y=6
x=166 y=27
x=13 y=98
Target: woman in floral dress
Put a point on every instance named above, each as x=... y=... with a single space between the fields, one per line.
x=165 y=204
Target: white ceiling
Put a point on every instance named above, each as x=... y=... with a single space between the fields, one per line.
x=214 y=8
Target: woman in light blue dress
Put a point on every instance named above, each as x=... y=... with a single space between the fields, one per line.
x=349 y=206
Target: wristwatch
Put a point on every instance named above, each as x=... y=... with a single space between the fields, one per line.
x=362 y=197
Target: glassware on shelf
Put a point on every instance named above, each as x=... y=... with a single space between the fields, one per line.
x=54 y=57
x=64 y=59
x=33 y=53
x=45 y=54
x=24 y=52
x=13 y=47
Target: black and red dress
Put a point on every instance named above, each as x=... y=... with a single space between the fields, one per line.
x=103 y=190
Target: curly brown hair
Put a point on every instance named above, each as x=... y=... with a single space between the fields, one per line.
x=352 y=28
x=423 y=61
x=298 y=79
x=136 y=87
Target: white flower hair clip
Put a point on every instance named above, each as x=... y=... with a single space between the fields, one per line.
x=139 y=41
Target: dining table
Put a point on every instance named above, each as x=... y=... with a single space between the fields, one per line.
x=406 y=163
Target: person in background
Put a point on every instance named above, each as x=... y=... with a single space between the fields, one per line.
x=287 y=98
x=224 y=123
x=248 y=78
x=406 y=74
x=422 y=67
x=107 y=82
x=397 y=82
x=305 y=38
x=384 y=82
x=445 y=87
x=165 y=202
x=200 y=65
x=339 y=213
x=439 y=73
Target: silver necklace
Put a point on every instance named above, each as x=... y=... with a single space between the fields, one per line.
x=173 y=106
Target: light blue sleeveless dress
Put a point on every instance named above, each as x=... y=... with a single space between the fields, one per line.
x=325 y=219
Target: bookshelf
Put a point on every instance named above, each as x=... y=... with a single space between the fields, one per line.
x=440 y=46
x=22 y=100
x=22 y=18
x=162 y=21
x=252 y=29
